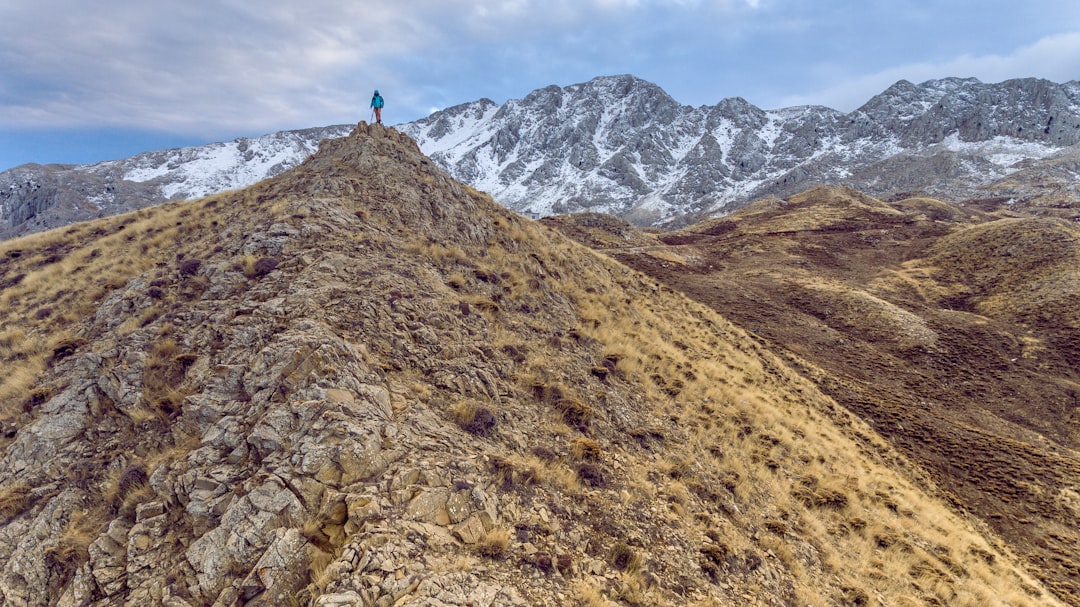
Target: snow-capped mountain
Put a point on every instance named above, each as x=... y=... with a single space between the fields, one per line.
x=35 y=197
x=623 y=146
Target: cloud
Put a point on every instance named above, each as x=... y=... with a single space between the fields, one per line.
x=180 y=65
x=1055 y=57
x=207 y=67
x=202 y=66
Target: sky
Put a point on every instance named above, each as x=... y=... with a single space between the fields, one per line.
x=84 y=81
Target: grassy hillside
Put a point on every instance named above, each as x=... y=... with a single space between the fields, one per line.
x=363 y=383
x=953 y=333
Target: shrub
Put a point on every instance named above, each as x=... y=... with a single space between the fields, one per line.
x=585 y=449
x=591 y=474
x=37 y=397
x=263 y=266
x=542 y=561
x=132 y=488
x=132 y=479
x=190 y=267
x=545 y=454
x=474 y=418
x=493 y=544
x=65 y=348
x=624 y=558
x=575 y=413
x=163 y=374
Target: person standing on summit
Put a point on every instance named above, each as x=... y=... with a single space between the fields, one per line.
x=377 y=105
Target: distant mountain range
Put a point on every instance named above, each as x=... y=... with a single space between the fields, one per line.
x=623 y=146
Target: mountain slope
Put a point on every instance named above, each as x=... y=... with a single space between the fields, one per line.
x=35 y=197
x=952 y=332
x=362 y=383
x=621 y=145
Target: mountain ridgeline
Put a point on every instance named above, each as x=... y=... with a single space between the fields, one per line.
x=361 y=382
x=623 y=146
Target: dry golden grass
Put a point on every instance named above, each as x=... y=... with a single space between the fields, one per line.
x=587 y=594
x=738 y=427
x=666 y=254
x=436 y=252
x=72 y=547
x=14 y=500
x=494 y=543
x=736 y=397
x=585 y=449
x=57 y=279
x=126 y=488
x=319 y=572
x=474 y=417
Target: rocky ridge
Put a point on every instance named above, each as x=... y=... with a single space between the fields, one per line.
x=363 y=383
x=623 y=146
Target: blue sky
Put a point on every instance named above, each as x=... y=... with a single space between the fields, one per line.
x=83 y=81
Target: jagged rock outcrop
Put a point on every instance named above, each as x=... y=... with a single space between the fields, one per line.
x=363 y=383
x=34 y=198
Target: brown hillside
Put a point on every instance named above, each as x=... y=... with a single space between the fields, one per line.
x=953 y=333
x=362 y=383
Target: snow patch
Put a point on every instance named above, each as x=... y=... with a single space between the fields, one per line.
x=1003 y=151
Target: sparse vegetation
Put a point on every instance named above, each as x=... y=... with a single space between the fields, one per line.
x=14 y=500
x=128 y=488
x=624 y=558
x=258 y=267
x=162 y=376
x=474 y=417
x=72 y=547
x=494 y=543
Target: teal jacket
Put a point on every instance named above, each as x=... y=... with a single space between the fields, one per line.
x=376 y=101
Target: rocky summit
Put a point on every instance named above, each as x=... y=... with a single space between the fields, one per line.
x=361 y=383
